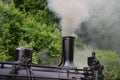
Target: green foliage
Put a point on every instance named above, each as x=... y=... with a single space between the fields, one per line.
x=38 y=9
x=30 y=24
x=18 y=28
x=11 y=21
x=5 y=57
x=111 y=63
x=29 y=5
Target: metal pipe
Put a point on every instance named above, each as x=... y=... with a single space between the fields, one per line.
x=67 y=52
x=23 y=55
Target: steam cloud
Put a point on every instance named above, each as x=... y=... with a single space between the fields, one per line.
x=100 y=17
x=71 y=12
x=80 y=58
x=103 y=26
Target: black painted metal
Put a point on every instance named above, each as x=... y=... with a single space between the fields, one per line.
x=42 y=72
x=23 y=69
x=67 y=52
x=24 y=55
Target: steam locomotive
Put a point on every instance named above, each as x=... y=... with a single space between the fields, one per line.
x=23 y=69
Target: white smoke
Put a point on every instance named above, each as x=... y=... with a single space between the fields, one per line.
x=103 y=26
x=71 y=12
x=81 y=56
x=103 y=18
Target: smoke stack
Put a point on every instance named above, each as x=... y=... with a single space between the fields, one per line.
x=22 y=54
x=67 y=52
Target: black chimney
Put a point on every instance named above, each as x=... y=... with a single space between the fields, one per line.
x=67 y=52
x=22 y=54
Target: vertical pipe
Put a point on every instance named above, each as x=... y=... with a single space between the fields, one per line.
x=67 y=52
x=23 y=55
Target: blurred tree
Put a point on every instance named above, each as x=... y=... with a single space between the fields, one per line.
x=23 y=28
x=38 y=9
x=111 y=63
